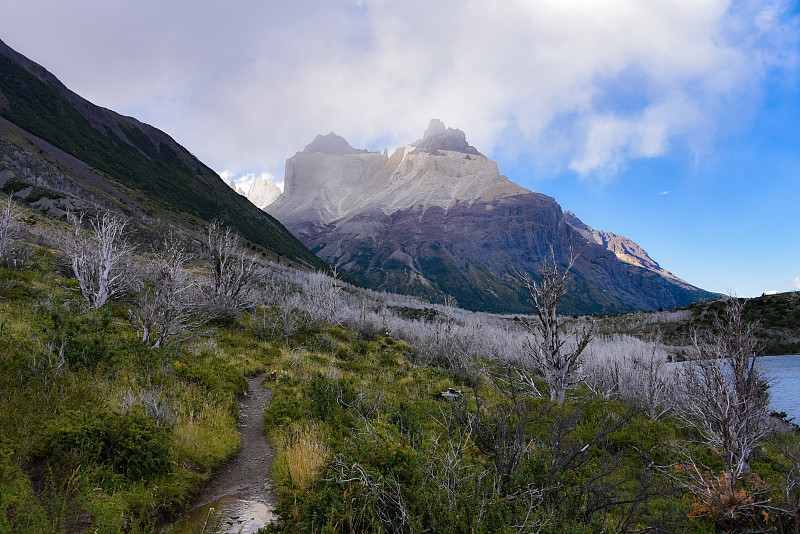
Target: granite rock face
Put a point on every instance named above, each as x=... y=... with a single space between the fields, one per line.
x=330 y=181
x=437 y=218
x=622 y=247
x=263 y=192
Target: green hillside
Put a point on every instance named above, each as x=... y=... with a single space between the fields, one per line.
x=776 y=319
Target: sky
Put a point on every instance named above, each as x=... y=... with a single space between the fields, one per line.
x=673 y=123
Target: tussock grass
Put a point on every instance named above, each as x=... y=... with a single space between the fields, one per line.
x=206 y=438
x=302 y=451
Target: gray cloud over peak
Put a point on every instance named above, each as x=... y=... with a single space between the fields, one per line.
x=585 y=85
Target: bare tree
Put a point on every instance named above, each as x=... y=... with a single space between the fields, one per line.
x=546 y=348
x=629 y=368
x=98 y=257
x=725 y=400
x=168 y=304
x=231 y=271
x=323 y=296
x=9 y=228
x=46 y=362
x=500 y=432
x=726 y=390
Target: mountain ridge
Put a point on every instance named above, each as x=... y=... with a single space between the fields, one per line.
x=437 y=218
x=320 y=188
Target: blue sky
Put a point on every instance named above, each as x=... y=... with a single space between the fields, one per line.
x=673 y=123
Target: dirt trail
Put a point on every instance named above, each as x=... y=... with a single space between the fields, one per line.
x=241 y=494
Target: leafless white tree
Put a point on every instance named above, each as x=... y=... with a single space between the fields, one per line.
x=9 y=228
x=97 y=257
x=168 y=306
x=447 y=464
x=725 y=396
x=629 y=368
x=46 y=363
x=322 y=296
x=231 y=271
x=547 y=349
x=152 y=400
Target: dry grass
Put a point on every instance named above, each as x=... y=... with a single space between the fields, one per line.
x=301 y=454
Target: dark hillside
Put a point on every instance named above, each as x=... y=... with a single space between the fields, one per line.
x=134 y=154
x=777 y=319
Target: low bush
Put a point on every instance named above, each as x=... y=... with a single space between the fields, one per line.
x=130 y=444
x=213 y=373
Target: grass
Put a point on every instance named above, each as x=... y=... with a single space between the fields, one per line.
x=61 y=471
x=302 y=452
x=396 y=459
x=205 y=438
x=362 y=442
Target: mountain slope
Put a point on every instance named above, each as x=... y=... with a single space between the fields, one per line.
x=132 y=156
x=437 y=218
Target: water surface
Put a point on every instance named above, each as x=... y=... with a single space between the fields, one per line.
x=231 y=514
x=785 y=388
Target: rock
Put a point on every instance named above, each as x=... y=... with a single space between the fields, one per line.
x=437 y=218
x=451 y=394
x=263 y=192
x=438 y=138
x=332 y=145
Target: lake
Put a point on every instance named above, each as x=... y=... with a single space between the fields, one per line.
x=785 y=390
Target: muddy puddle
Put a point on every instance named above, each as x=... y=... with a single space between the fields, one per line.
x=239 y=513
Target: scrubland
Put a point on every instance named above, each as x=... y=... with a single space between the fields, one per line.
x=112 y=413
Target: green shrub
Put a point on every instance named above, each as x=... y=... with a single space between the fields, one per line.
x=328 y=395
x=130 y=444
x=86 y=338
x=285 y=409
x=215 y=374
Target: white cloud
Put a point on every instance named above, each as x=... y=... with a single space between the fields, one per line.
x=585 y=84
x=795 y=284
x=226 y=175
x=663 y=193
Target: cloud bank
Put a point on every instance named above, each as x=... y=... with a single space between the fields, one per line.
x=586 y=85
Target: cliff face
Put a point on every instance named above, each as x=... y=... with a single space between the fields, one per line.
x=329 y=180
x=436 y=218
x=622 y=247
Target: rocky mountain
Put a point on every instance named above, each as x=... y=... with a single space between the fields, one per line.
x=330 y=181
x=263 y=192
x=622 y=247
x=437 y=218
x=75 y=151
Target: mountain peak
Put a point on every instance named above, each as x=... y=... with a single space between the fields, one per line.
x=263 y=192
x=331 y=144
x=435 y=127
x=438 y=137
